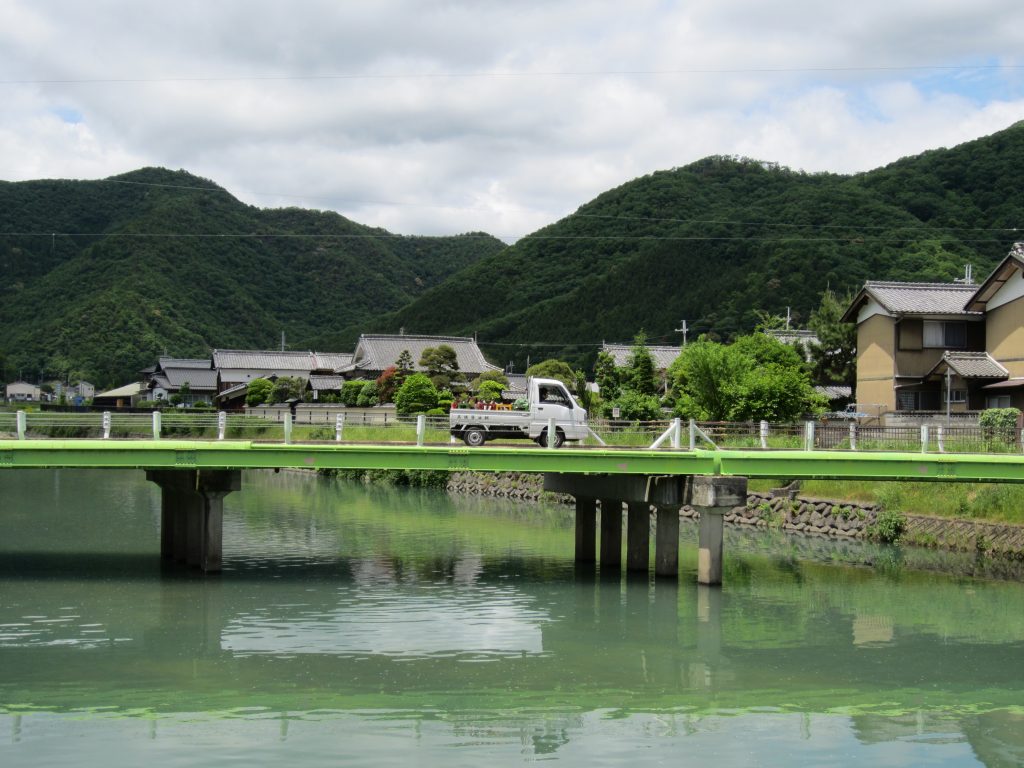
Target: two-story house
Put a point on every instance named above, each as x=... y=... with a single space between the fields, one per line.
x=933 y=346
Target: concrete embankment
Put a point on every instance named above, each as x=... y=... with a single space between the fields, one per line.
x=837 y=519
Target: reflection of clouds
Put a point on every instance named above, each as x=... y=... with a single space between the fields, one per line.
x=391 y=621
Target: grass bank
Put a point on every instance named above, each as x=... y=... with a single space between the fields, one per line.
x=996 y=502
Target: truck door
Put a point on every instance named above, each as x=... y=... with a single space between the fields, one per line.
x=553 y=402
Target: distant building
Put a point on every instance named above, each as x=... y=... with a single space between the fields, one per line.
x=123 y=397
x=794 y=336
x=377 y=352
x=235 y=368
x=23 y=392
x=170 y=374
x=663 y=356
x=932 y=346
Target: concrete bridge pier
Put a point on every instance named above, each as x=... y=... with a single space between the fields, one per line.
x=192 y=514
x=714 y=497
x=639 y=494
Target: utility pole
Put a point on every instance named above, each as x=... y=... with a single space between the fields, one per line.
x=787 y=318
x=683 y=329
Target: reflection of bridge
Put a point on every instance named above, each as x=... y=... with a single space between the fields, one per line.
x=195 y=476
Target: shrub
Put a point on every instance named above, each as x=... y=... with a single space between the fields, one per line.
x=416 y=395
x=258 y=391
x=490 y=391
x=635 y=407
x=367 y=395
x=889 y=525
x=350 y=391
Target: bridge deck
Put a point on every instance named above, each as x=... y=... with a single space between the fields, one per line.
x=230 y=454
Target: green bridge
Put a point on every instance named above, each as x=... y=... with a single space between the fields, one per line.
x=196 y=475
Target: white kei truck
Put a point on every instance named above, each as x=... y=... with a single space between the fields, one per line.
x=548 y=398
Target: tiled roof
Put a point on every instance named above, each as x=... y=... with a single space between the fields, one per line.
x=377 y=352
x=322 y=383
x=197 y=378
x=971 y=365
x=663 y=356
x=922 y=298
x=176 y=362
x=330 y=361
x=267 y=360
x=833 y=391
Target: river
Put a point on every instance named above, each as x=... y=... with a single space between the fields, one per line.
x=386 y=627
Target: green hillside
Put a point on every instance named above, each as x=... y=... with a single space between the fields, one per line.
x=156 y=261
x=722 y=238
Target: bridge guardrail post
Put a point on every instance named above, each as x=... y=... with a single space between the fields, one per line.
x=287 y=428
x=421 y=429
x=677 y=429
x=106 y=425
x=924 y=438
x=222 y=424
x=552 y=434
x=156 y=425
x=940 y=437
x=763 y=429
x=853 y=436
x=339 y=426
x=693 y=435
x=22 y=419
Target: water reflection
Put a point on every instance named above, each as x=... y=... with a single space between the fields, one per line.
x=461 y=627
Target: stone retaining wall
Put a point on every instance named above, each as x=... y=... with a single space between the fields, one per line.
x=845 y=520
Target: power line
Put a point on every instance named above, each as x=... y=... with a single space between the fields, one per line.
x=852 y=239
x=578 y=214
x=508 y=74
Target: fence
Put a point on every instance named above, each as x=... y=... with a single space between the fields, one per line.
x=355 y=428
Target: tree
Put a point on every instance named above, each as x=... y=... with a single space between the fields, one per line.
x=834 y=358
x=258 y=391
x=552 y=369
x=404 y=363
x=706 y=377
x=287 y=388
x=387 y=384
x=497 y=376
x=641 y=376
x=606 y=375
x=442 y=364
x=758 y=377
x=416 y=395
x=583 y=393
x=490 y=391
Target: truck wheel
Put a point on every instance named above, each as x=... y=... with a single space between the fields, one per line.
x=542 y=440
x=474 y=437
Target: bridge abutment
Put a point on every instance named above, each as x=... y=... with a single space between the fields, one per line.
x=714 y=496
x=192 y=514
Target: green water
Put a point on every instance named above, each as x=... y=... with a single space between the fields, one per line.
x=370 y=627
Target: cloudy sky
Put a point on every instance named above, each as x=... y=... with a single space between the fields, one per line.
x=445 y=117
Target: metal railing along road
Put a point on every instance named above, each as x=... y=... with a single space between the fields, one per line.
x=666 y=433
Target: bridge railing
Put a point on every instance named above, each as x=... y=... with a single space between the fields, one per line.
x=635 y=434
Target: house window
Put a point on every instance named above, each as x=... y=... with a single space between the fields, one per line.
x=997 y=401
x=917 y=401
x=958 y=396
x=945 y=334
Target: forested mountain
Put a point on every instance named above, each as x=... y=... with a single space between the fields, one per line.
x=156 y=261
x=718 y=240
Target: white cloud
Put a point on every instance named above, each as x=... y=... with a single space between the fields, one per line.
x=394 y=139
